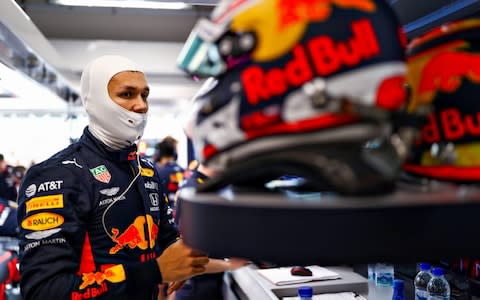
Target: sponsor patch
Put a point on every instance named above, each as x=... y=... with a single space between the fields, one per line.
x=134 y=235
x=42 y=221
x=44 y=202
x=46 y=186
x=110 y=192
x=74 y=161
x=30 y=190
x=38 y=235
x=154 y=198
x=31 y=245
x=152 y=185
x=109 y=200
x=101 y=174
x=35 y=244
x=147 y=172
x=90 y=292
x=114 y=274
x=50 y=186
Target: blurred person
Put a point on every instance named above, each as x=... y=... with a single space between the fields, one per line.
x=7 y=189
x=3 y=179
x=94 y=223
x=9 y=274
x=8 y=218
x=167 y=156
x=18 y=172
x=170 y=172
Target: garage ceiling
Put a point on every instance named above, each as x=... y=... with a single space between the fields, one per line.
x=154 y=37
x=68 y=22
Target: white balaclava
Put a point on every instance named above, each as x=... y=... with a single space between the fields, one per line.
x=112 y=124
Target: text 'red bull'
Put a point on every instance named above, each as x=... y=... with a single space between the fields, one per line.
x=134 y=235
x=450 y=125
x=91 y=292
x=445 y=71
x=298 y=11
x=108 y=273
x=327 y=55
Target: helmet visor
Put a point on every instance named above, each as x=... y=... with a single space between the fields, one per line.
x=200 y=55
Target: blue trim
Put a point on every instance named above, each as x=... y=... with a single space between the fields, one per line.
x=441 y=15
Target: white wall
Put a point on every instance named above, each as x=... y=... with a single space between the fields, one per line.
x=35 y=137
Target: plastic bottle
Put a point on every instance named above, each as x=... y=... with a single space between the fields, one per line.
x=305 y=292
x=371 y=282
x=421 y=281
x=438 y=287
x=398 y=294
x=371 y=272
x=384 y=274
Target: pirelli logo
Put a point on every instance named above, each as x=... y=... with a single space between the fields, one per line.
x=44 y=202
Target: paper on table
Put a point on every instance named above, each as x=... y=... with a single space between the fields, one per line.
x=282 y=276
x=332 y=296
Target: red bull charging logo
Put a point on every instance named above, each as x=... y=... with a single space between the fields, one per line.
x=445 y=72
x=445 y=69
x=134 y=235
x=296 y=11
x=288 y=19
x=112 y=274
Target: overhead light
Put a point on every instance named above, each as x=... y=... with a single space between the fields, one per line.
x=124 y=4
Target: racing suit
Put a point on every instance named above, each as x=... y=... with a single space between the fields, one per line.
x=171 y=176
x=88 y=229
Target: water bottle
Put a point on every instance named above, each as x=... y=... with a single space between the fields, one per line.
x=384 y=275
x=421 y=281
x=305 y=292
x=398 y=285
x=438 y=287
x=371 y=272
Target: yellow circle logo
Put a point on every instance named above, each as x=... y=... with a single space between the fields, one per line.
x=42 y=221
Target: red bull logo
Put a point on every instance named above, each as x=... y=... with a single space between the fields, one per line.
x=109 y=273
x=451 y=125
x=445 y=72
x=90 y=292
x=328 y=56
x=444 y=69
x=270 y=19
x=301 y=11
x=134 y=235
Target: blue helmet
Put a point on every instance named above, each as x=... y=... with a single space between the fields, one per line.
x=302 y=87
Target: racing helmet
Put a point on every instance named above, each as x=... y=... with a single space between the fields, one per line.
x=302 y=87
x=444 y=72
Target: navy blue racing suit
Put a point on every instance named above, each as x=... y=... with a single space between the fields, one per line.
x=88 y=229
x=171 y=175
